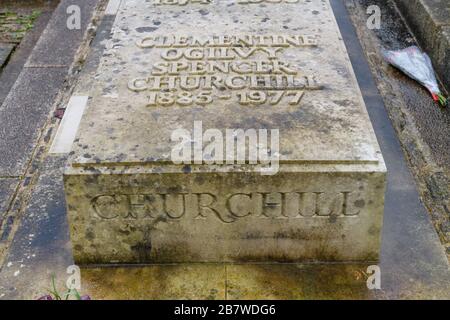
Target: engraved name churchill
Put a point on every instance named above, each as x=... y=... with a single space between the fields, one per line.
x=228 y=209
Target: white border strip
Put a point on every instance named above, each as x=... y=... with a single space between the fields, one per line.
x=112 y=8
x=68 y=128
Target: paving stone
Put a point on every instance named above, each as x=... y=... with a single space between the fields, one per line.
x=12 y=70
x=165 y=282
x=298 y=282
x=23 y=114
x=58 y=44
x=41 y=245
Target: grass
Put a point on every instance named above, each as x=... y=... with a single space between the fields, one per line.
x=14 y=26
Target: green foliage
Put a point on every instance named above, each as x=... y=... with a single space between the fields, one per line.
x=69 y=294
x=13 y=25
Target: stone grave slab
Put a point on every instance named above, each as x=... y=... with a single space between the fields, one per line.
x=197 y=78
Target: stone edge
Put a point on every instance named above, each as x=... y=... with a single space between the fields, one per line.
x=415 y=150
x=433 y=34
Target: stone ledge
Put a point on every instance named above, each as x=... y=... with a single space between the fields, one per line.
x=429 y=20
x=5 y=51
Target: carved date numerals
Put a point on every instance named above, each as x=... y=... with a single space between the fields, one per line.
x=180 y=2
x=272 y=97
x=183 y=98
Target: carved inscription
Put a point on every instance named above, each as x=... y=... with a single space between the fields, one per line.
x=185 y=2
x=248 y=68
x=266 y=1
x=228 y=209
x=180 y=2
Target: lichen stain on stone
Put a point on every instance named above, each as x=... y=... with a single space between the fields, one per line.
x=297 y=282
x=156 y=282
x=146 y=29
x=360 y=203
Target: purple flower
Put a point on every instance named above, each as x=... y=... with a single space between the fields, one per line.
x=86 y=297
x=46 y=297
